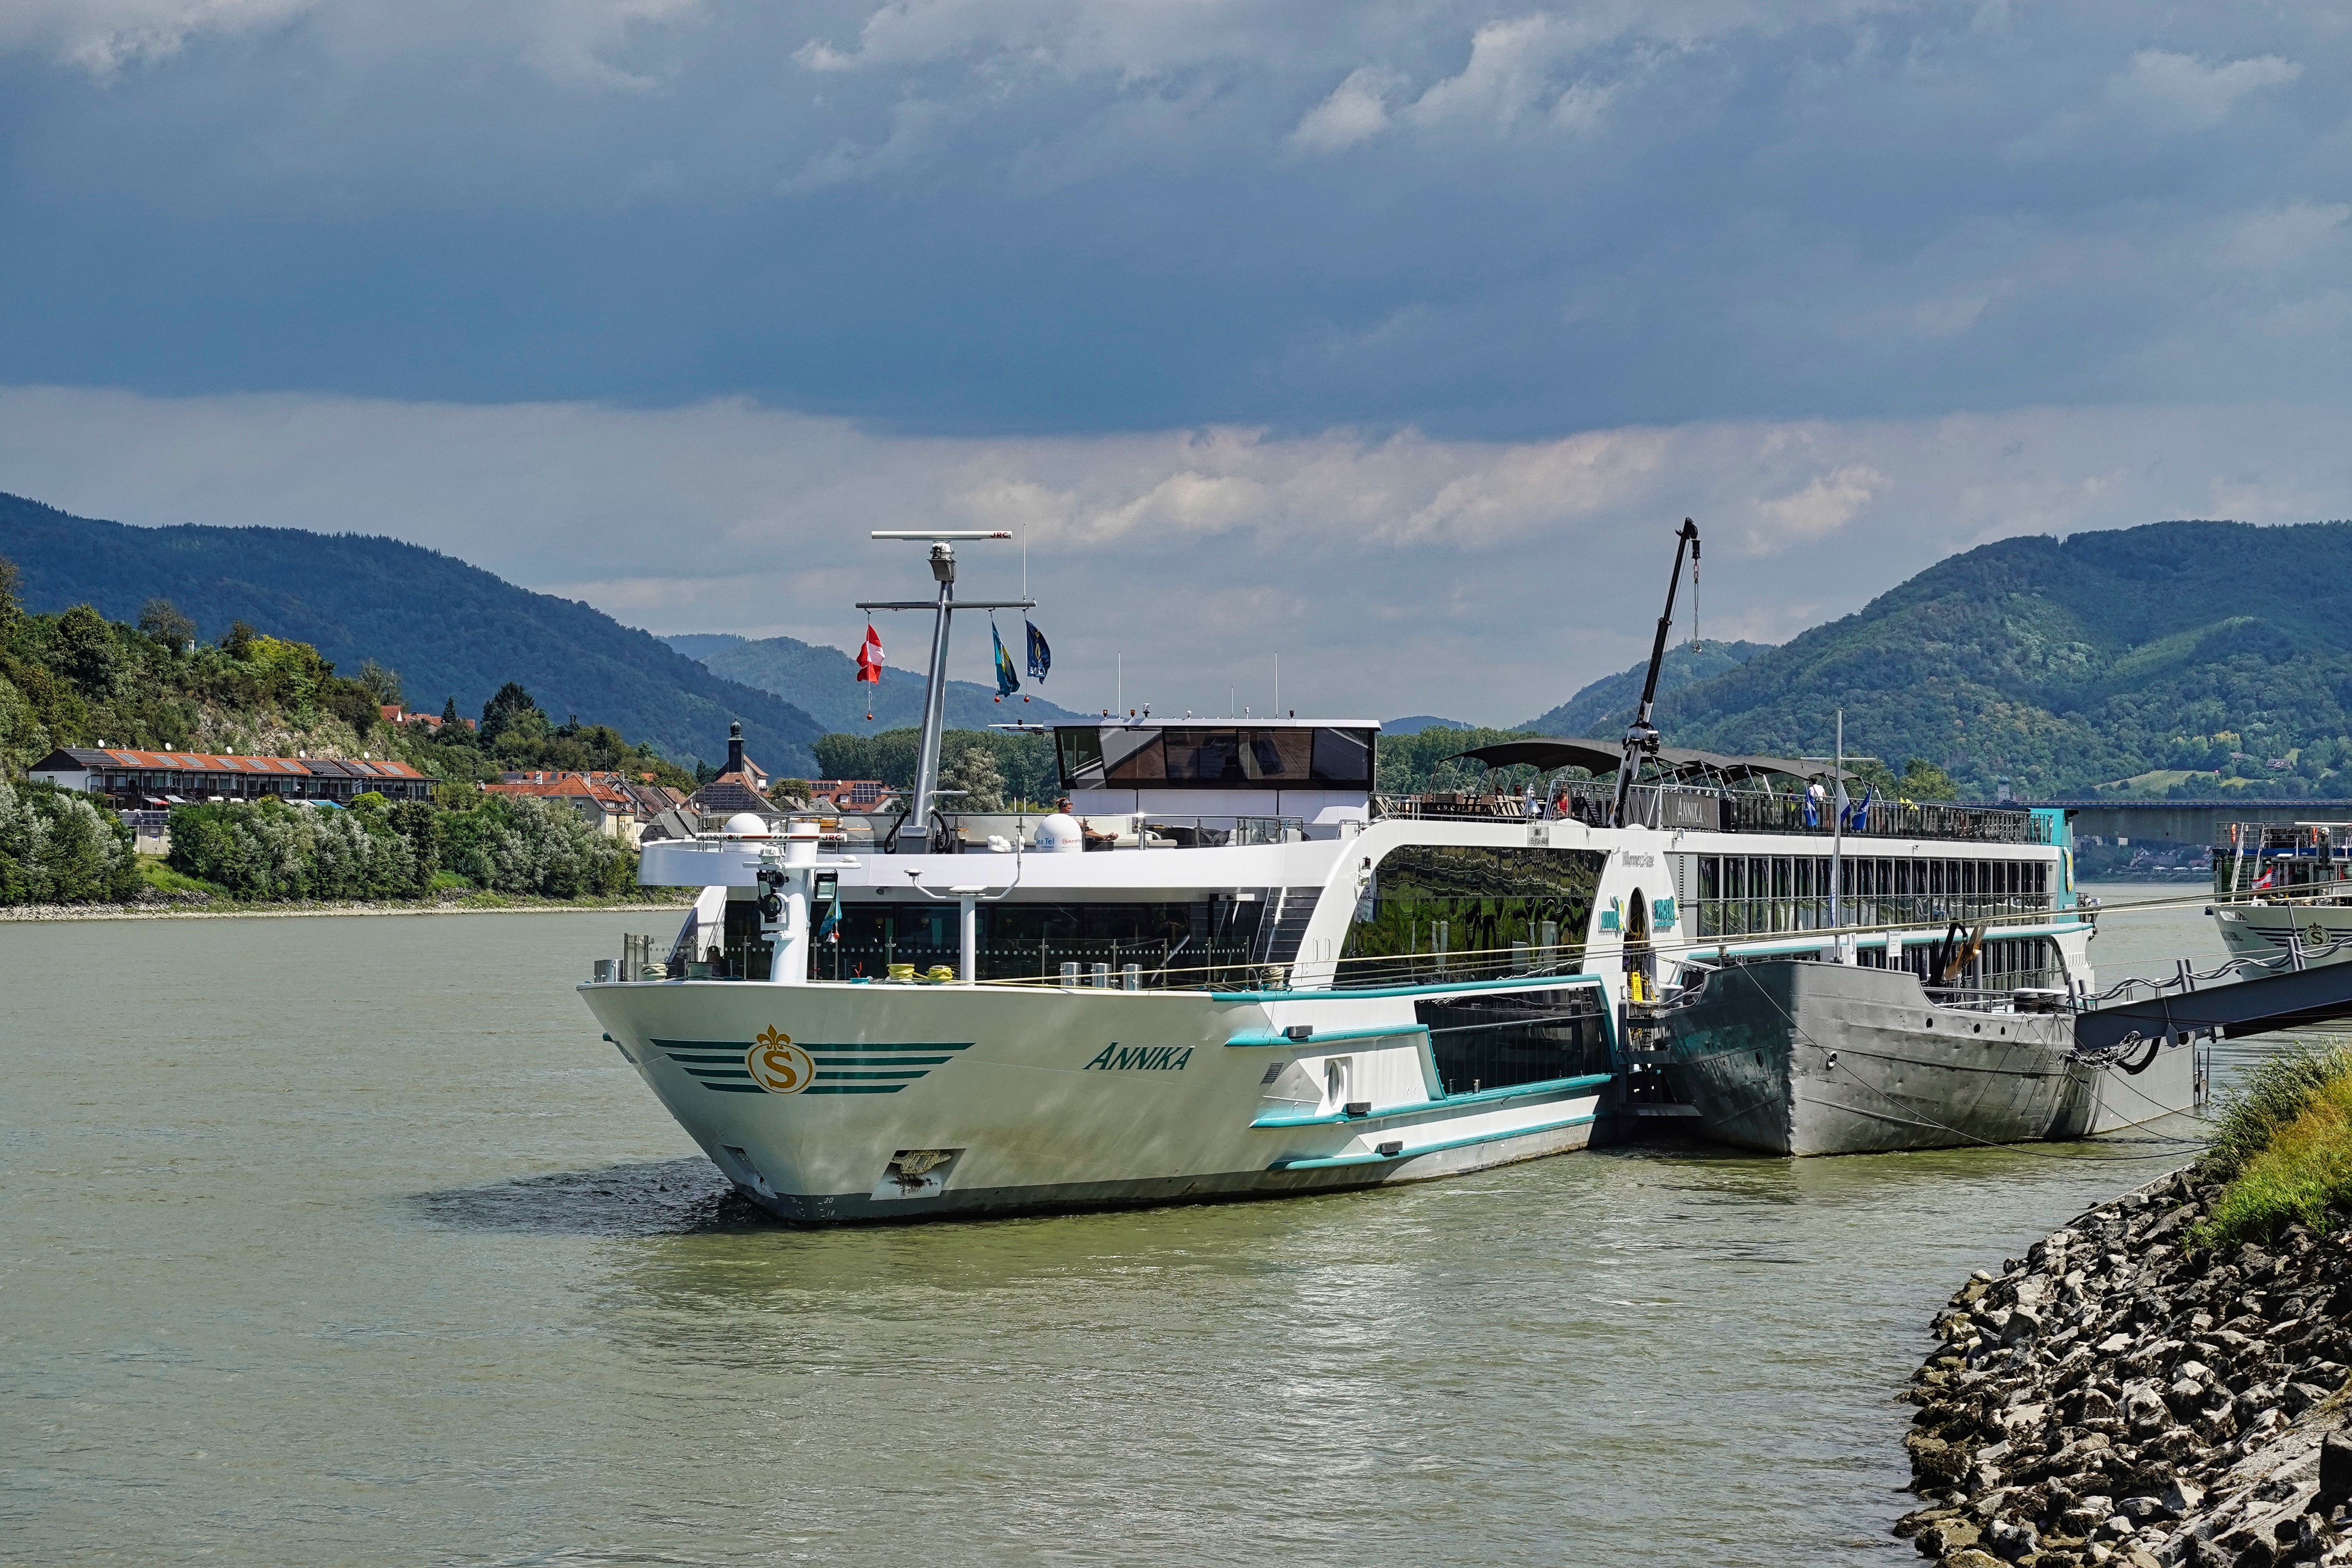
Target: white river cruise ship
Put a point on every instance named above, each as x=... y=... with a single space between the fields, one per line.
x=1231 y=968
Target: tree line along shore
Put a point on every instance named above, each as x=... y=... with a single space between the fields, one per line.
x=78 y=680
x=2161 y=1381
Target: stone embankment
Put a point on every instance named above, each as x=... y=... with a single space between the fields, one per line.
x=2120 y=1397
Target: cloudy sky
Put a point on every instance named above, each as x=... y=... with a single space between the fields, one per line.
x=1389 y=339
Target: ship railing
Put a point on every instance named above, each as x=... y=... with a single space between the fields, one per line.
x=2183 y=979
x=1002 y=832
x=1705 y=808
x=1236 y=970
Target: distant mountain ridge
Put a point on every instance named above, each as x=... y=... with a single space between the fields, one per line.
x=2150 y=652
x=1605 y=707
x=823 y=681
x=450 y=629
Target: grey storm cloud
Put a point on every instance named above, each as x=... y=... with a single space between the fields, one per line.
x=1388 y=339
x=1040 y=215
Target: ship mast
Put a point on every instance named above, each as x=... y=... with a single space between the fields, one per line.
x=942 y=542
x=1642 y=736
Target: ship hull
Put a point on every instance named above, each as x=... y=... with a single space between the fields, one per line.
x=921 y=1102
x=2252 y=929
x=1792 y=1058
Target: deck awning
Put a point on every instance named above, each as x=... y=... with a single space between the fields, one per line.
x=1602 y=756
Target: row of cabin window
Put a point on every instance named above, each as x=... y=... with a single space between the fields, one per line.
x=1739 y=894
x=309 y=785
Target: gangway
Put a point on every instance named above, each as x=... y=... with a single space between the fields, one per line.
x=2188 y=1006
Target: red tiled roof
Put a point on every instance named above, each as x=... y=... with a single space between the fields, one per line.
x=210 y=763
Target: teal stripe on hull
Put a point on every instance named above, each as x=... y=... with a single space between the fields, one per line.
x=1335 y=1162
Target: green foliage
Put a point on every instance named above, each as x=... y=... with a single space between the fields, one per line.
x=1419 y=764
x=271 y=849
x=161 y=620
x=2284 y=1146
x=385 y=683
x=444 y=625
x=2268 y=1098
x=1602 y=710
x=11 y=582
x=59 y=848
x=2068 y=665
x=973 y=771
x=1923 y=780
x=1025 y=762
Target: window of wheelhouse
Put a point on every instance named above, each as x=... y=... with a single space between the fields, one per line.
x=1210 y=756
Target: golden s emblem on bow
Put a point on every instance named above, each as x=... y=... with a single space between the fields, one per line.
x=777 y=1065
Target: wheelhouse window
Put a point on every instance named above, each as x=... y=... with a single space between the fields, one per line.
x=1210 y=757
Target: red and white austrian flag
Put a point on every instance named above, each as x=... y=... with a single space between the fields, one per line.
x=869 y=656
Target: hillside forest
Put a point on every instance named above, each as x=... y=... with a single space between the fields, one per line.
x=76 y=679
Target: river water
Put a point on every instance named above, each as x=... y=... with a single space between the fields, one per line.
x=347 y=1241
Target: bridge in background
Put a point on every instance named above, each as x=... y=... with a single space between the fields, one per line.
x=2187 y=821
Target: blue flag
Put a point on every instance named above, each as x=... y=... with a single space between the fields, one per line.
x=1007 y=682
x=1041 y=656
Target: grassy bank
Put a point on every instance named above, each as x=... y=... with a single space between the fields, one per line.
x=2285 y=1149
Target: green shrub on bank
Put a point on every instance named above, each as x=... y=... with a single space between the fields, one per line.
x=59 y=848
x=2269 y=1099
x=270 y=850
x=2284 y=1147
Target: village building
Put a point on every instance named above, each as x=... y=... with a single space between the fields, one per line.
x=612 y=803
x=135 y=780
x=847 y=795
x=741 y=786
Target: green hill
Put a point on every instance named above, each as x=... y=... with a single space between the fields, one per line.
x=823 y=681
x=2200 y=651
x=1606 y=706
x=450 y=629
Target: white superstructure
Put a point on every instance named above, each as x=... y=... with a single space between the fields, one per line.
x=1229 y=969
x=1223 y=967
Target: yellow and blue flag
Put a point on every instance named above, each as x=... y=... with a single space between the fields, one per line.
x=1007 y=682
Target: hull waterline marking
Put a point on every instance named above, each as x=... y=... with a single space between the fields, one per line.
x=767 y=1066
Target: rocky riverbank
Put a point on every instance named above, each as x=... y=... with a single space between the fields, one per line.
x=2120 y=1396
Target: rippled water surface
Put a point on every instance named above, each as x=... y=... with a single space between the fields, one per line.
x=348 y=1241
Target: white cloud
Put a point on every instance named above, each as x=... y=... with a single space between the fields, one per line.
x=2170 y=93
x=1356 y=111
x=2283 y=236
x=2160 y=94
x=1826 y=504
x=102 y=37
x=1387 y=572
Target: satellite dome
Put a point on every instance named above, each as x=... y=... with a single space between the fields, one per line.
x=1060 y=834
x=747 y=825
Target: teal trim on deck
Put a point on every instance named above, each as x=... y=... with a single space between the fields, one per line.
x=1484 y=1096
x=1333 y=1161
x=1704 y=949
x=1321 y=1035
